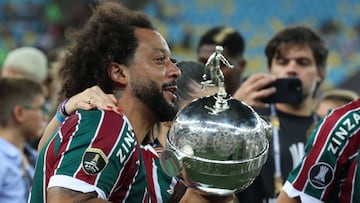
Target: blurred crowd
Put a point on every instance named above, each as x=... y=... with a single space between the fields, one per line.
x=47 y=24
x=53 y=68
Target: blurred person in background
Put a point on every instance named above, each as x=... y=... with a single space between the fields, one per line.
x=28 y=62
x=56 y=59
x=330 y=169
x=332 y=99
x=32 y=63
x=22 y=106
x=301 y=53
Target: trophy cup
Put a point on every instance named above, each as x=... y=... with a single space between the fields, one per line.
x=218 y=144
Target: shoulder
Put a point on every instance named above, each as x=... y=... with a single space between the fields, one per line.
x=98 y=123
x=350 y=108
x=95 y=113
x=9 y=151
x=346 y=117
x=94 y=117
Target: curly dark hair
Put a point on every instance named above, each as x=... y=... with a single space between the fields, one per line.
x=298 y=35
x=108 y=36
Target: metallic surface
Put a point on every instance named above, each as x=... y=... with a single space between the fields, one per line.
x=217 y=152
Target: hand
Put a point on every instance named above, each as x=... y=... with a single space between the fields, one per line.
x=91 y=98
x=87 y=99
x=195 y=196
x=251 y=90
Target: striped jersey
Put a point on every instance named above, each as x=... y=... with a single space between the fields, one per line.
x=160 y=185
x=92 y=151
x=330 y=171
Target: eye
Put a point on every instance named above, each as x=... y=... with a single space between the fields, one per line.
x=282 y=61
x=303 y=62
x=160 y=60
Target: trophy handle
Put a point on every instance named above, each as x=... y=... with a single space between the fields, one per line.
x=171 y=160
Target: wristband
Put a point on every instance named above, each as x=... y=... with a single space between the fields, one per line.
x=59 y=117
x=62 y=108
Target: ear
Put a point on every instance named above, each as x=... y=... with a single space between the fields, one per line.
x=17 y=114
x=119 y=73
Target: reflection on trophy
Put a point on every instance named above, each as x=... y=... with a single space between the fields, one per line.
x=218 y=144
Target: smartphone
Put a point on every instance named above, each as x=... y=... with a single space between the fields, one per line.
x=288 y=90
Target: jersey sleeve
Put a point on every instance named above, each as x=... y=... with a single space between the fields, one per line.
x=95 y=151
x=327 y=157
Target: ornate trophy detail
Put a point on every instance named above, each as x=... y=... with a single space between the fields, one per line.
x=218 y=144
x=217 y=79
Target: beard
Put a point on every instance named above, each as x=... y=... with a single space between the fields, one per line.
x=148 y=92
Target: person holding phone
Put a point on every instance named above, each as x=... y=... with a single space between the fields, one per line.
x=294 y=52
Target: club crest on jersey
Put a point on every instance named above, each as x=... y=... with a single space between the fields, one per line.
x=321 y=175
x=93 y=161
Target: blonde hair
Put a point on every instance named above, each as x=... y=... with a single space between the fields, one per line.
x=29 y=61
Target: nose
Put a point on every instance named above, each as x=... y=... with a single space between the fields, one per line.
x=174 y=71
x=291 y=68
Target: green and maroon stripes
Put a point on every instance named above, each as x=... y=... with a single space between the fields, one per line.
x=333 y=143
x=103 y=132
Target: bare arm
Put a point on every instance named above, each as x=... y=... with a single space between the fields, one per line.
x=50 y=128
x=81 y=100
x=284 y=198
x=63 y=195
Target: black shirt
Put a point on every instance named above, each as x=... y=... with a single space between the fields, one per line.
x=292 y=134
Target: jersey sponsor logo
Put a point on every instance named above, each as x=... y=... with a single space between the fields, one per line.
x=126 y=146
x=320 y=175
x=94 y=161
x=343 y=132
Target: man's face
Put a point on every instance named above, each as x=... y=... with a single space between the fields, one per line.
x=153 y=74
x=297 y=61
x=35 y=118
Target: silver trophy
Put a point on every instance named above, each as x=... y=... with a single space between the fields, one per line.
x=217 y=144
